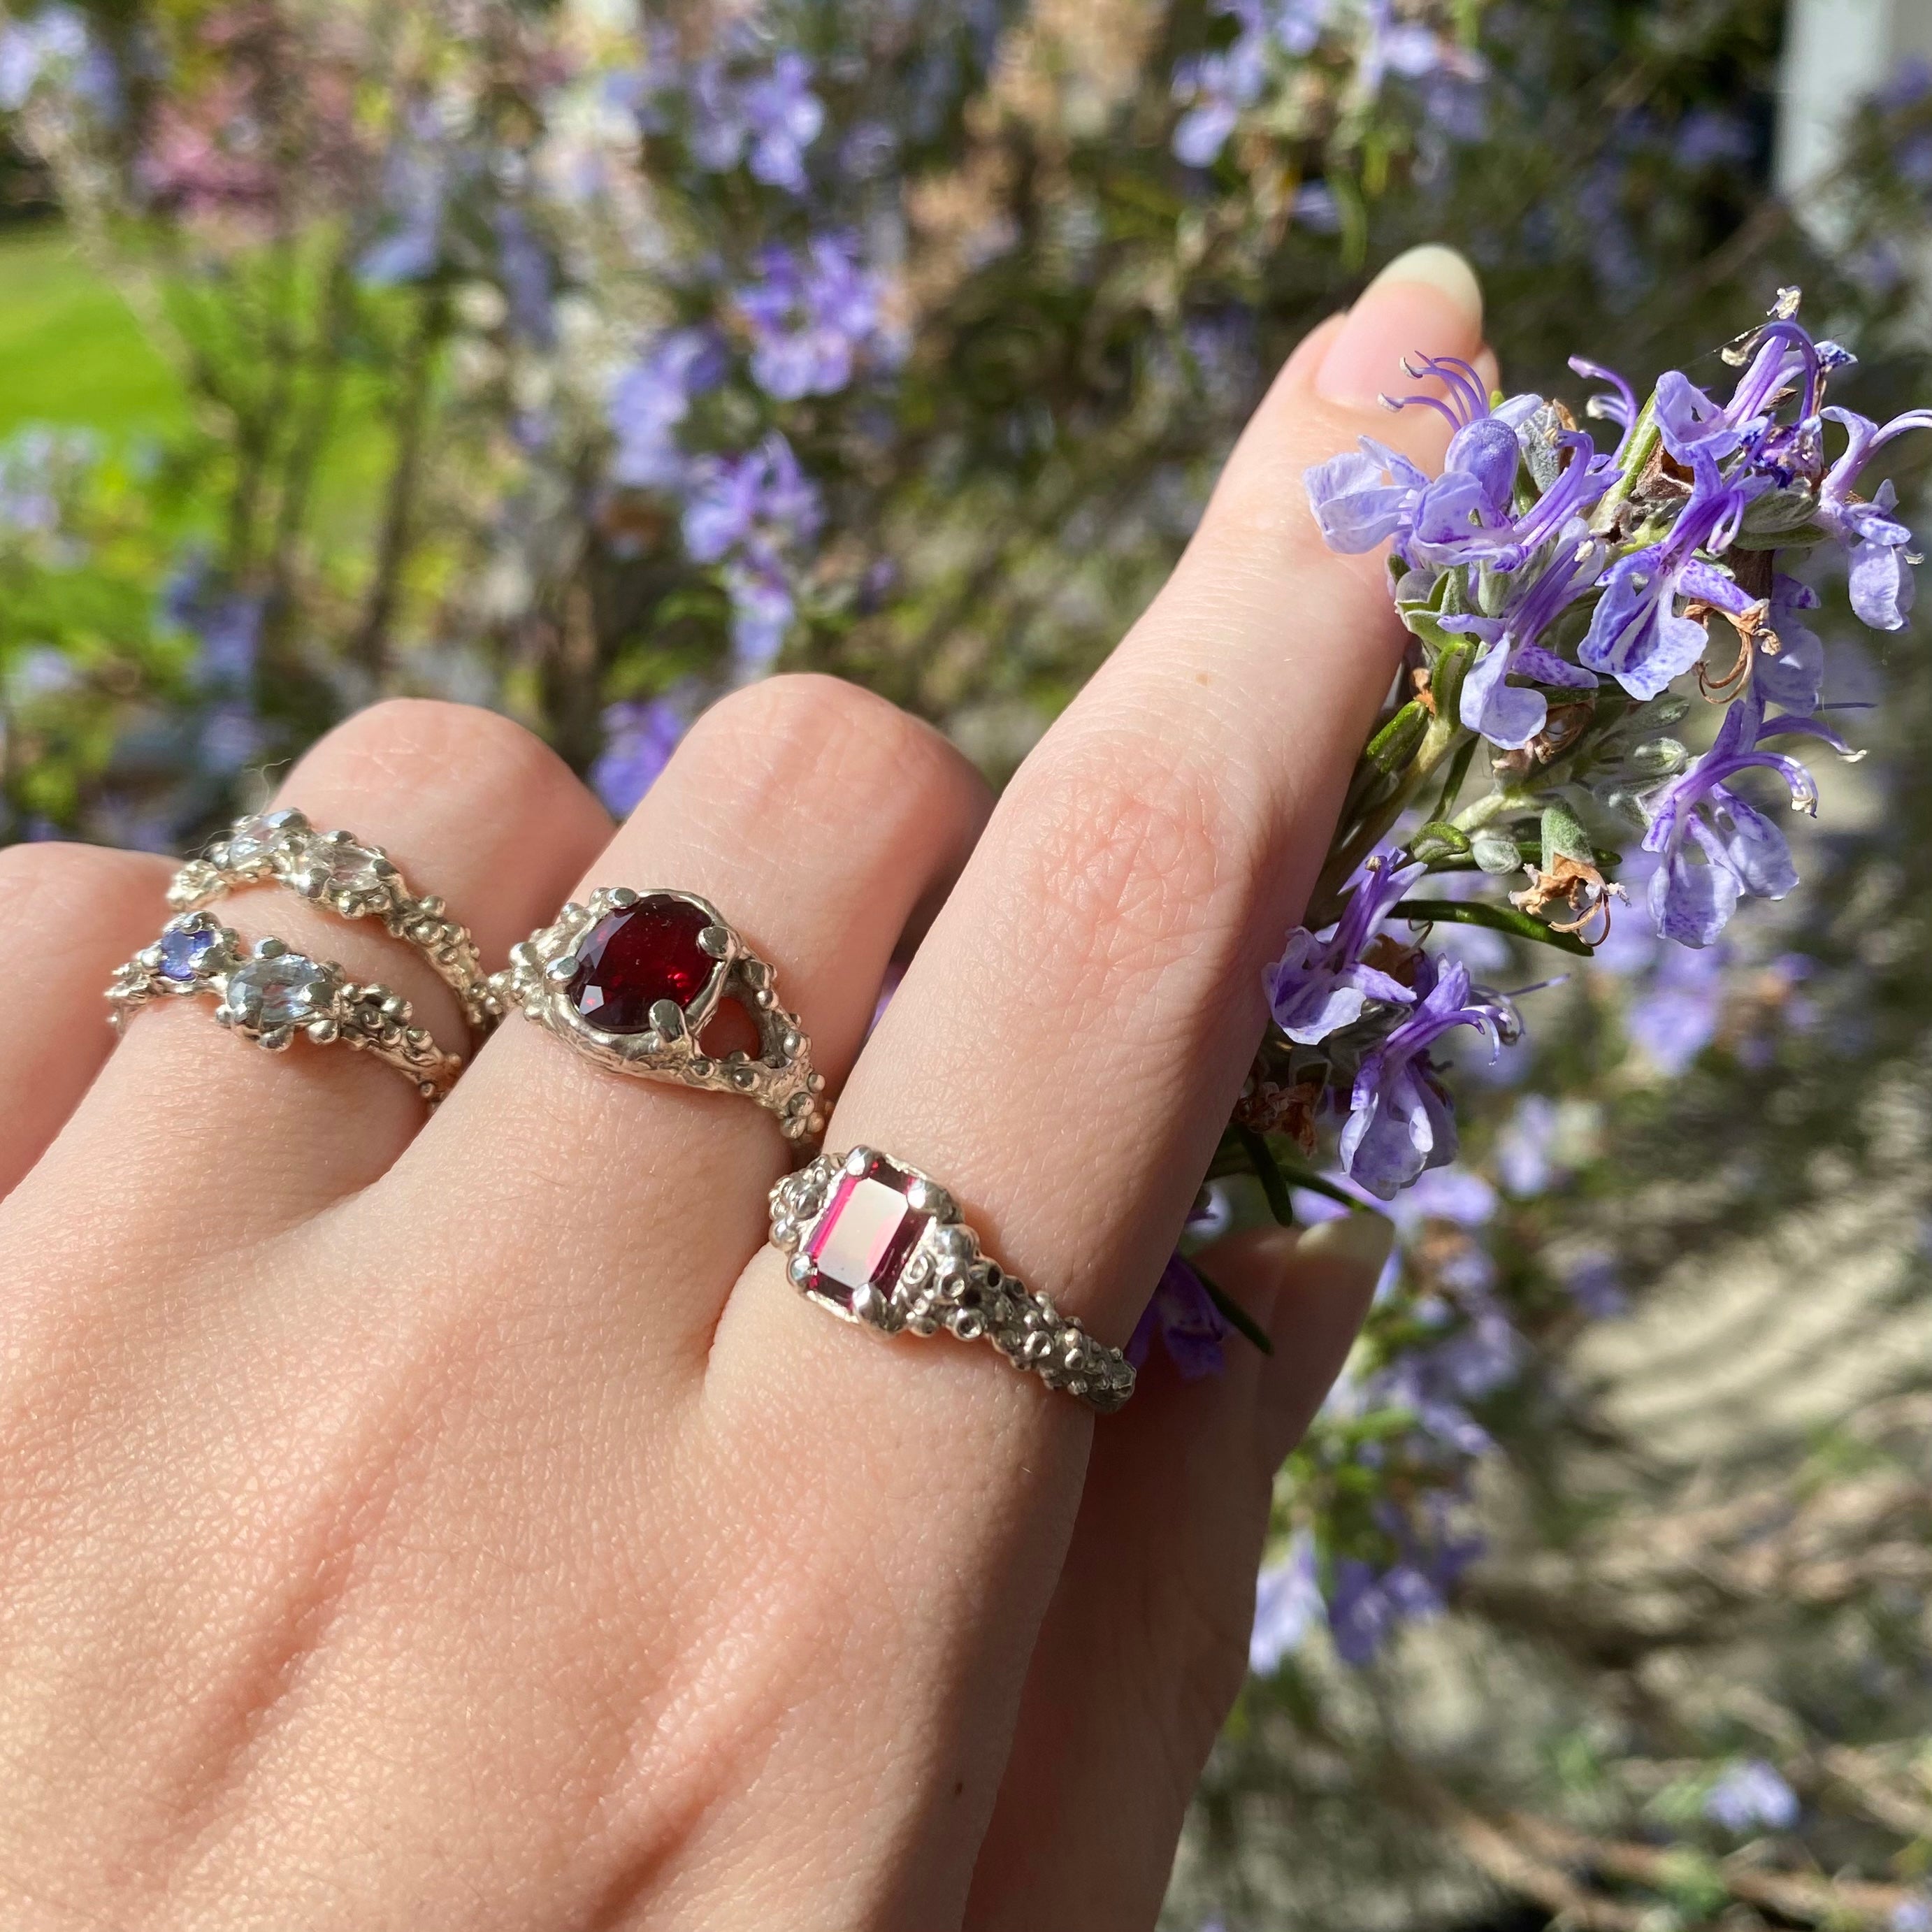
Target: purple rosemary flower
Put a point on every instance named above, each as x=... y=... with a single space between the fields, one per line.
x=1881 y=565
x=1677 y=1012
x=757 y=504
x=1744 y=853
x=1620 y=407
x=1217 y=87
x=1784 y=359
x=1453 y=1194
x=417 y=182
x=1466 y=515
x=1750 y=1796
x=1594 y=1283
x=1363 y=496
x=812 y=317
x=1287 y=1606
x=1792 y=675
x=1524 y=1157
x=785 y=117
x=1400 y=1121
x=766 y=119
x=1370 y=1602
x=1637 y=634
x=651 y=399
x=1189 y=1326
x=763 y=606
x=1511 y=715
x=751 y=513
x=1322 y=983
x=639 y=735
x=33 y=47
x=1408 y=48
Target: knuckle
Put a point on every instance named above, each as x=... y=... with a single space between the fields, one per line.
x=804 y=736
x=412 y=743
x=54 y=887
x=1140 y=861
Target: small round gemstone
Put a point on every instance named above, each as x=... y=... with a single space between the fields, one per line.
x=285 y=991
x=255 y=838
x=637 y=956
x=182 y=953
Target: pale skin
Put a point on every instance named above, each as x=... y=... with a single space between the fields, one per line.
x=461 y=1523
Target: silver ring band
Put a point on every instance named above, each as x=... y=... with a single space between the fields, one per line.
x=269 y=995
x=356 y=881
x=877 y=1242
x=633 y=979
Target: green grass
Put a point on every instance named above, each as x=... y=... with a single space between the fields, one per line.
x=71 y=350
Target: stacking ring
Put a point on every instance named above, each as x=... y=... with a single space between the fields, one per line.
x=268 y=993
x=633 y=979
x=356 y=880
x=877 y=1242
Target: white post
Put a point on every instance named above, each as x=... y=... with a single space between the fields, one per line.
x=1837 y=52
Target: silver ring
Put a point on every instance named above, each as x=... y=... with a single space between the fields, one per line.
x=877 y=1242
x=356 y=880
x=268 y=993
x=633 y=979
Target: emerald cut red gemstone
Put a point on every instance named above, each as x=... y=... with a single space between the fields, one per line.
x=866 y=1235
x=635 y=956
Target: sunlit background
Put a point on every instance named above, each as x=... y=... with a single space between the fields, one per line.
x=587 y=364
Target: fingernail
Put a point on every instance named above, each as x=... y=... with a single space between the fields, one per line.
x=1426 y=301
x=1360 y=1243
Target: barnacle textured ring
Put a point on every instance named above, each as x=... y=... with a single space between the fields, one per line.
x=352 y=879
x=633 y=979
x=267 y=994
x=878 y=1242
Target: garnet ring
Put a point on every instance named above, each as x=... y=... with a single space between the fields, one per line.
x=356 y=881
x=877 y=1242
x=634 y=978
x=269 y=994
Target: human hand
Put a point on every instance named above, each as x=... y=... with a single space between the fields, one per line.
x=463 y=1523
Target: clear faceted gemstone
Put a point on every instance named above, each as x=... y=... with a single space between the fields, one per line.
x=255 y=838
x=181 y=953
x=866 y=1236
x=632 y=958
x=285 y=991
x=353 y=869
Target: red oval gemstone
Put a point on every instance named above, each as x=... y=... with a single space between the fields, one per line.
x=634 y=957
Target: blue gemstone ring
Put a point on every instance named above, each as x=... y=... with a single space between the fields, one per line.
x=353 y=880
x=268 y=993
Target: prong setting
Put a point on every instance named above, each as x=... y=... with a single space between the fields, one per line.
x=916 y=1266
x=548 y=979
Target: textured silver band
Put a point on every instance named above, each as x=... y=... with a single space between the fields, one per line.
x=356 y=880
x=924 y=1270
x=543 y=968
x=269 y=995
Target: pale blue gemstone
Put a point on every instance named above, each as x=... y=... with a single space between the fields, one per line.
x=284 y=990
